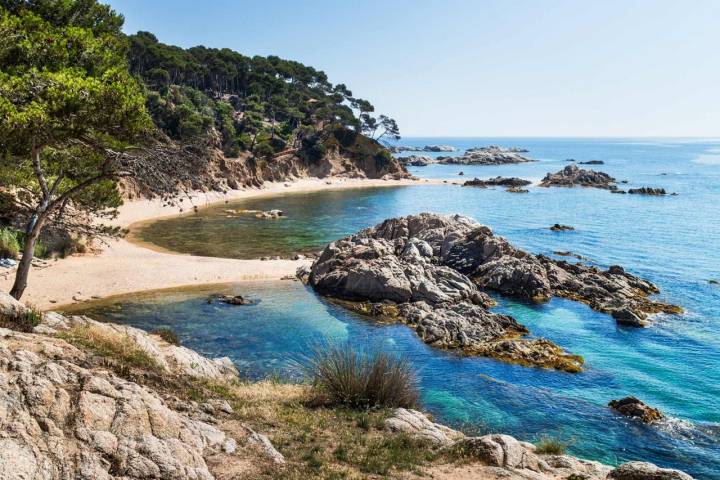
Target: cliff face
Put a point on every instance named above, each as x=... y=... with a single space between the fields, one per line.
x=344 y=154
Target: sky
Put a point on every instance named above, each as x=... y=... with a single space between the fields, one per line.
x=483 y=68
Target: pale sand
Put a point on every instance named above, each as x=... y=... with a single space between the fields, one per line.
x=125 y=267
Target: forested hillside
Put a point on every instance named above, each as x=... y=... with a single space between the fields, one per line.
x=260 y=104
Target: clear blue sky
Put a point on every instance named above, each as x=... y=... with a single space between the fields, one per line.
x=483 y=68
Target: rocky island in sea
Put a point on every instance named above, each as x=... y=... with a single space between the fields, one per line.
x=574 y=176
x=431 y=273
x=426 y=148
x=491 y=155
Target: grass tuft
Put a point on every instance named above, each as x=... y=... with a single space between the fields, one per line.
x=118 y=350
x=24 y=321
x=358 y=379
x=168 y=335
x=551 y=446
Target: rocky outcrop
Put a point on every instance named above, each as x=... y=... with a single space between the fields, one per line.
x=497 y=181
x=647 y=191
x=592 y=162
x=574 y=176
x=417 y=425
x=561 y=228
x=416 y=160
x=430 y=272
x=492 y=155
x=65 y=416
x=518 y=459
x=635 y=408
x=646 y=471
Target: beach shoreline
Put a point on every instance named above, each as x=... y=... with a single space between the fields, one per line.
x=127 y=265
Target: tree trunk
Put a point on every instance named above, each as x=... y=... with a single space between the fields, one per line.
x=21 y=276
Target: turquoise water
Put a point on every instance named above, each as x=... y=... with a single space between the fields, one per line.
x=673 y=241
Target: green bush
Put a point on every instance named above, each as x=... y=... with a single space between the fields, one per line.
x=9 y=244
x=264 y=150
x=41 y=250
x=168 y=335
x=360 y=379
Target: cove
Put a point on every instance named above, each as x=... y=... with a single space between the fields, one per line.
x=671 y=241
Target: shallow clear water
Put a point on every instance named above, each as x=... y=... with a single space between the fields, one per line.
x=673 y=241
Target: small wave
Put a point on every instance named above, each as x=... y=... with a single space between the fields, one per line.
x=686 y=430
x=708 y=159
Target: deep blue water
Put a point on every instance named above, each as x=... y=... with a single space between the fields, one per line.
x=673 y=241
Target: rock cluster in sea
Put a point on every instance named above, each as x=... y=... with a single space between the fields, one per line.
x=497 y=181
x=574 y=176
x=431 y=272
x=524 y=459
x=426 y=148
x=492 y=155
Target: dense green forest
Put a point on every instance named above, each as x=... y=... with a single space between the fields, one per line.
x=261 y=104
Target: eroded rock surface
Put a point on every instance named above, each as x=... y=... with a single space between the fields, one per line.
x=64 y=416
x=429 y=271
x=574 y=176
x=646 y=471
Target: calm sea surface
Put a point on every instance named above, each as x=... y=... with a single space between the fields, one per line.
x=673 y=241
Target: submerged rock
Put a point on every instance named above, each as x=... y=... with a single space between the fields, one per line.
x=635 y=408
x=561 y=228
x=592 y=162
x=492 y=155
x=270 y=214
x=572 y=176
x=497 y=181
x=433 y=270
x=517 y=190
x=234 y=300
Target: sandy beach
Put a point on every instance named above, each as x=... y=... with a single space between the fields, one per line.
x=125 y=266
